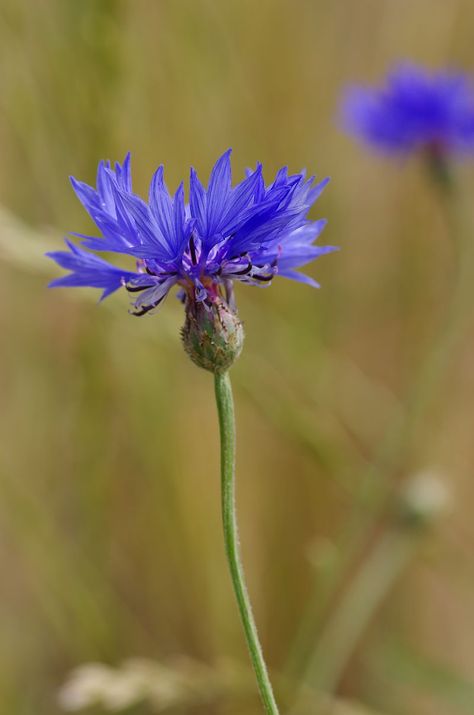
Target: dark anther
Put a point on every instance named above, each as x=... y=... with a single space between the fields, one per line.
x=146 y=308
x=263 y=278
x=192 y=249
x=143 y=311
x=246 y=270
x=160 y=274
x=137 y=289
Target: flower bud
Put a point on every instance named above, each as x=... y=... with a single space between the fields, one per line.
x=212 y=334
x=424 y=499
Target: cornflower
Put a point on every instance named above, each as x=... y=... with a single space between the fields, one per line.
x=250 y=233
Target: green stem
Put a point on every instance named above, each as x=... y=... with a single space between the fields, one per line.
x=225 y=409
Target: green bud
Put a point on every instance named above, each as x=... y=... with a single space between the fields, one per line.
x=212 y=334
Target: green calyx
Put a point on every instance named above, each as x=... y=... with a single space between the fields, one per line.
x=212 y=335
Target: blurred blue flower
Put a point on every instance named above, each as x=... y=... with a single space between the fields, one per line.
x=415 y=110
x=249 y=232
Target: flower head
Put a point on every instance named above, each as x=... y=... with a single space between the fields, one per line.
x=415 y=110
x=249 y=232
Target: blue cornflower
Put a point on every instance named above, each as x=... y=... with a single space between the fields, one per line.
x=415 y=110
x=250 y=232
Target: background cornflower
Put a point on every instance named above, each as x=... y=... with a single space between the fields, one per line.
x=415 y=109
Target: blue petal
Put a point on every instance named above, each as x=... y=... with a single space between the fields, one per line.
x=86 y=194
x=88 y=270
x=181 y=228
x=105 y=180
x=198 y=202
x=148 y=232
x=218 y=191
x=300 y=277
x=243 y=194
x=161 y=204
x=301 y=255
x=123 y=173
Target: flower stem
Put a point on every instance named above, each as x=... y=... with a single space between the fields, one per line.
x=225 y=409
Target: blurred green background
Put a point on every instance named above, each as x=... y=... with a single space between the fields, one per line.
x=110 y=534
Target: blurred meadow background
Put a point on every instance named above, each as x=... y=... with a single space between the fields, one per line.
x=355 y=504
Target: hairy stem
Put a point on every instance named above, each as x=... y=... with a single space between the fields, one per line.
x=225 y=408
